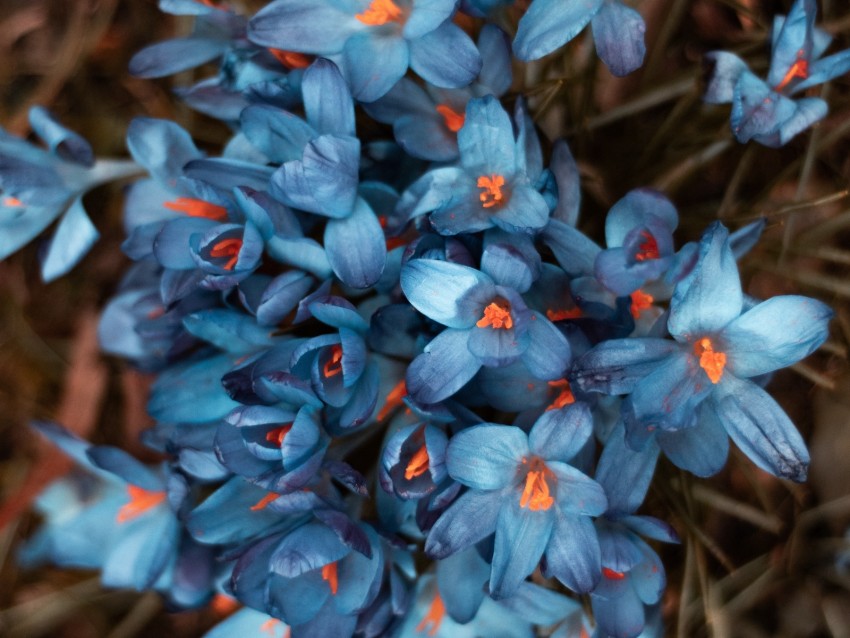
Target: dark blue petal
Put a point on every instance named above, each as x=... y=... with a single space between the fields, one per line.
x=317 y=27
x=760 y=427
x=577 y=493
x=62 y=141
x=192 y=393
x=445 y=57
x=374 y=63
x=303 y=252
x=574 y=251
x=615 y=366
x=548 y=354
x=550 y=23
x=565 y=169
x=355 y=246
x=745 y=238
x=495 y=48
x=73 y=238
x=469 y=519
x=161 y=147
x=229 y=330
x=123 y=465
x=139 y=557
x=573 y=555
x=443 y=369
x=618 y=32
x=327 y=101
x=280 y=135
x=526 y=211
x=310 y=547
x=486 y=457
x=559 y=434
x=176 y=55
x=700 y=449
x=624 y=473
x=757 y=110
x=521 y=538
x=461 y=578
x=281 y=296
x=621 y=616
x=226 y=516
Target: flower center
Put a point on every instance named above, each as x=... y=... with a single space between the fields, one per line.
x=333 y=366
x=497 y=317
x=418 y=464
x=648 y=249
x=565 y=396
x=535 y=494
x=610 y=574
x=330 y=574
x=434 y=617
x=227 y=248
x=380 y=12
x=278 y=435
x=709 y=360
x=491 y=187
x=140 y=502
x=640 y=302
x=800 y=69
x=197 y=208
x=12 y=202
x=290 y=59
x=454 y=120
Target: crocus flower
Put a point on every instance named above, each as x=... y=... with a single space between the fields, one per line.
x=522 y=489
x=717 y=346
x=618 y=31
x=764 y=111
x=374 y=40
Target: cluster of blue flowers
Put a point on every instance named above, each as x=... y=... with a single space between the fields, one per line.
x=399 y=392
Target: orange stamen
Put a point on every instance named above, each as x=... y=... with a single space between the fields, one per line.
x=800 y=69
x=434 y=617
x=709 y=360
x=263 y=502
x=12 y=202
x=492 y=187
x=418 y=464
x=565 y=396
x=560 y=315
x=394 y=400
x=224 y=605
x=612 y=575
x=454 y=120
x=380 y=12
x=197 y=208
x=640 y=302
x=648 y=249
x=333 y=366
x=227 y=248
x=329 y=573
x=290 y=59
x=278 y=434
x=140 y=502
x=270 y=626
x=535 y=495
x=496 y=316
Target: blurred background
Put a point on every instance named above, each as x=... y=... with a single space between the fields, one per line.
x=760 y=557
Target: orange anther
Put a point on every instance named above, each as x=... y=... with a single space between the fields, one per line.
x=418 y=464
x=560 y=315
x=709 y=360
x=224 y=605
x=800 y=69
x=454 y=120
x=329 y=573
x=612 y=575
x=12 y=202
x=227 y=248
x=496 y=316
x=333 y=366
x=492 y=187
x=394 y=399
x=565 y=396
x=278 y=434
x=379 y=12
x=263 y=502
x=640 y=302
x=290 y=59
x=270 y=626
x=432 y=620
x=535 y=495
x=197 y=208
x=648 y=249
x=140 y=502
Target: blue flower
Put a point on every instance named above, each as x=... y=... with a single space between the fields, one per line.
x=618 y=31
x=717 y=345
x=494 y=184
x=522 y=489
x=764 y=111
x=374 y=41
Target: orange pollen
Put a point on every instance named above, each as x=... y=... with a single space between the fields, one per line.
x=278 y=434
x=560 y=315
x=263 y=502
x=565 y=396
x=640 y=302
x=224 y=605
x=269 y=626
x=290 y=59
x=380 y=12
x=454 y=120
x=434 y=617
x=333 y=366
x=140 y=502
x=12 y=202
x=800 y=69
x=612 y=575
x=197 y=208
x=535 y=495
x=496 y=316
x=394 y=399
x=227 y=248
x=418 y=464
x=648 y=249
x=329 y=573
x=709 y=360
x=492 y=190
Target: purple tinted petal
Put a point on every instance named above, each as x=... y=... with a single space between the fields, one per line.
x=355 y=246
x=374 y=64
x=548 y=24
x=616 y=366
x=521 y=538
x=469 y=519
x=559 y=434
x=618 y=32
x=445 y=57
x=573 y=555
x=307 y=26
